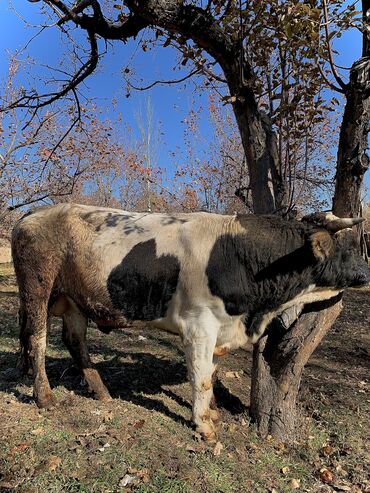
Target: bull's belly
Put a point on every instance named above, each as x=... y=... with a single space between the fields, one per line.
x=230 y=331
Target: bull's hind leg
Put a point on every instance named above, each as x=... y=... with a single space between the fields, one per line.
x=74 y=337
x=33 y=348
x=200 y=342
x=34 y=291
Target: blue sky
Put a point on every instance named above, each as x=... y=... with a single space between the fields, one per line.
x=171 y=103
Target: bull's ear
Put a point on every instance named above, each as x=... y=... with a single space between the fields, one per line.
x=322 y=245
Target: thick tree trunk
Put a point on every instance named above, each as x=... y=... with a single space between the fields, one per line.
x=353 y=160
x=259 y=143
x=278 y=361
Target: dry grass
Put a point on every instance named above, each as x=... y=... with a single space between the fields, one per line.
x=143 y=441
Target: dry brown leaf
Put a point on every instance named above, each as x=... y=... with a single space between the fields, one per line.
x=326 y=475
x=190 y=448
x=19 y=448
x=342 y=472
x=144 y=475
x=232 y=374
x=342 y=487
x=295 y=484
x=280 y=447
x=217 y=449
x=252 y=447
x=53 y=463
x=37 y=431
x=7 y=485
x=139 y=424
x=327 y=450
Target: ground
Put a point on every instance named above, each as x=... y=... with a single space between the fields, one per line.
x=143 y=441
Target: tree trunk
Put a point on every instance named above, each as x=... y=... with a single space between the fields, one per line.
x=278 y=361
x=353 y=160
x=259 y=142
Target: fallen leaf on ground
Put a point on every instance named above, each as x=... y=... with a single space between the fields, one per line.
x=342 y=487
x=7 y=485
x=127 y=480
x=327 y=450
x=19 y=448
x=191 y=449
x=326 y=475
x=37 y=431
x=139 y=474
x=252 y=447
x=295 y=484
x=232 y=374
x=139 y=424
x=342 y=472
x=53 y=463
x=104 y=447
x=217 y=449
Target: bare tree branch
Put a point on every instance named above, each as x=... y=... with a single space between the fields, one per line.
x=329 y=83
x=164 y=82
x=341 y=83
x=36 y=101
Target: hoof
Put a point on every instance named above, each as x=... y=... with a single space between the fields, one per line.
x=46 y=401
x=209 y=437
x=208 y=431
x=103 y=397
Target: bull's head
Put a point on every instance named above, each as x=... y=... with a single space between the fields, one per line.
x=335 y=246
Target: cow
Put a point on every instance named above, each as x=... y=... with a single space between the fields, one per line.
x=215 y=280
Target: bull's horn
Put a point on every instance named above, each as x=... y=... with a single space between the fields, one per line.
x=331 y=222
x=343 y=222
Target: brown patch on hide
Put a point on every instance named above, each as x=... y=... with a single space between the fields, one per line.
x=206 y=385
x=220 y=351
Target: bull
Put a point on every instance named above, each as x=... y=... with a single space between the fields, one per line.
x=215 y=280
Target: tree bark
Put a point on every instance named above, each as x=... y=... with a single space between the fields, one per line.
x=259 y=143
x=353 y=158
x=278 y=362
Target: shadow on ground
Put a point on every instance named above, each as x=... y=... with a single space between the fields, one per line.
x=140 y=380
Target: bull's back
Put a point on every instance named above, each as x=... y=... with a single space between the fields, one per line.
x=111 y=261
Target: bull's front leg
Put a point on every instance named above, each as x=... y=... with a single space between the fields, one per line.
x=200 y=342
